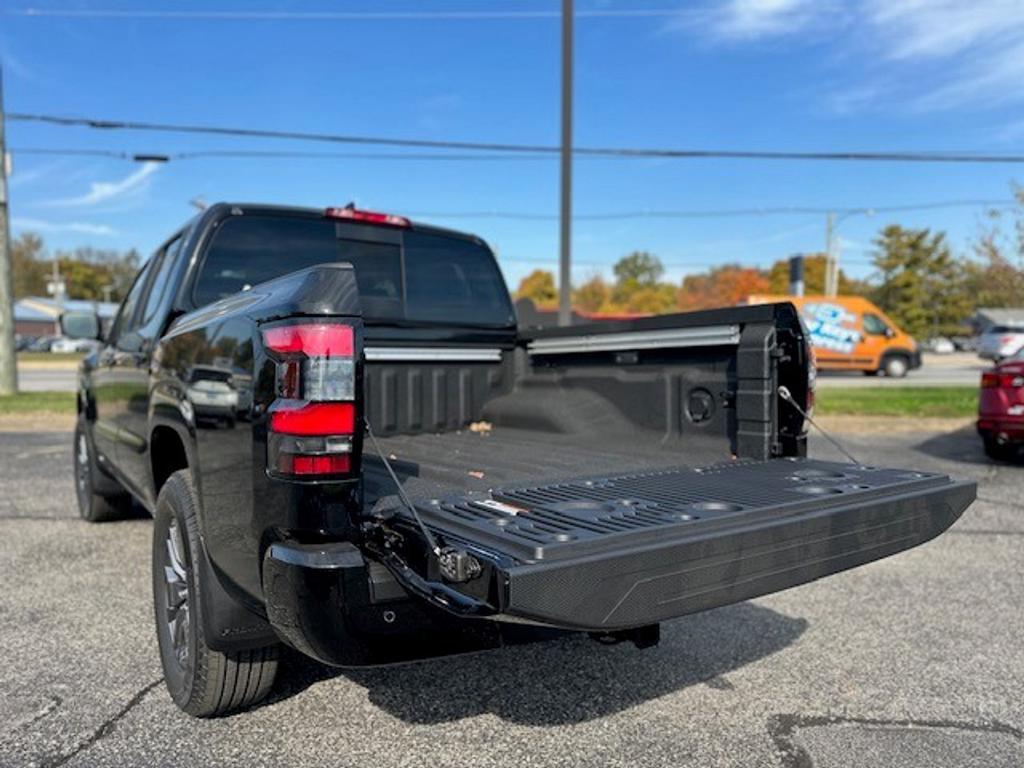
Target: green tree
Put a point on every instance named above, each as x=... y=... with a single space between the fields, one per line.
x=639 y=268
x=922 y=286
x=539 y=286
x=636 y=284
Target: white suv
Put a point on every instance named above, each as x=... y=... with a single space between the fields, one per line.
x=1000 y=341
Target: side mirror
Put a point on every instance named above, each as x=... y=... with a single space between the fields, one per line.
x=80 y=325
x=890 y=333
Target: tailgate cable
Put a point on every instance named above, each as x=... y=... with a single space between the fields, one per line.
x=431 y=541
x=786 y=395
x=456 y=565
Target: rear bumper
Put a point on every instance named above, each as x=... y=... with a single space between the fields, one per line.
x=1007 y=429
x=731 y=564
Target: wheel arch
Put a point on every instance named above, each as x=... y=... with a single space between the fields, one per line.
x=169 y=450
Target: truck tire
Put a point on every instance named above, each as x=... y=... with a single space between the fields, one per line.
x=203 y=682
x=998 y=451
x=100 y=497
x=896 y=366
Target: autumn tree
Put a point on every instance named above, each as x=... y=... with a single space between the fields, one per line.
x=995 y=277
x=29 y=271
x=723 y=286
x=814 y=277
x=539 y=287
x=592 y=296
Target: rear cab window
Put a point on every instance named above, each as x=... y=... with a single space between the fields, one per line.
x=404 y=275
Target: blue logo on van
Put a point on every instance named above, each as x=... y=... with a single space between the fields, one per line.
x=832 y=327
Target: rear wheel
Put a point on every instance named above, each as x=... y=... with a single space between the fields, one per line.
x=998 y=451
x=100 y=497
x=202 y=681
x=896 y=367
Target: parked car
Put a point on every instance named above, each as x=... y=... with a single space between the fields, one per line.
x=66 y=345
x=350 y=506
x=849 y=333
x=939 y=345
x=1000 y=342
x=1001 y=408
x=23 y=343
x=965 y=343
x=42 y=344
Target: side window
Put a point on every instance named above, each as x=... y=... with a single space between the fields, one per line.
x=158 y=287
x=874 y=325
x=125 y=321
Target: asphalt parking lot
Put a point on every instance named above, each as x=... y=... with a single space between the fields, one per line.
x=916 y=660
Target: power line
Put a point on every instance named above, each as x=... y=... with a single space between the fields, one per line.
x=225 y=15
x=232 y=153
x=694 y=213
x=625 y=152
x=704 y=213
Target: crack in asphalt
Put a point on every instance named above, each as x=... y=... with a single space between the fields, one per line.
x=105 y=728
x=791 y=754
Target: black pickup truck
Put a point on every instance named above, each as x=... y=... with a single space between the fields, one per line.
x=346 y=442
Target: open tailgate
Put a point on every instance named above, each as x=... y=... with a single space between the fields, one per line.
x=617 y=552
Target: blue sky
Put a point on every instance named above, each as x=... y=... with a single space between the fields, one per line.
x=744 y=74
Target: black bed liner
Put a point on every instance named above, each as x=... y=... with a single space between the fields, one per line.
x=631 y=549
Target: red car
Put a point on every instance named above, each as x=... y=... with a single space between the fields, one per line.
x=1001 y=408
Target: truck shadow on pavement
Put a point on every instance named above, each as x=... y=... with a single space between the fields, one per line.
x=964 y=445
x=564 y=681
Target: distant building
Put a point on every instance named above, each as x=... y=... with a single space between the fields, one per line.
x=38 y=316
x=986 y=317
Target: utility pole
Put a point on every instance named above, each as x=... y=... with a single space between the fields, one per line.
x=8 y=364
x=565 y=229
x=831 y=257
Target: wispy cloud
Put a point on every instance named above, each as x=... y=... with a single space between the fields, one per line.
x=926 y=54
x=739 y=20
x=72 y=227
x=132 y=185
x=978 y=47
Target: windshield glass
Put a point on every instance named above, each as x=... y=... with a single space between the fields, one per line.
x=446 y=279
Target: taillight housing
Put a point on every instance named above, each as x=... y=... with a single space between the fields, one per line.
x=312 y=422
x=996 y=380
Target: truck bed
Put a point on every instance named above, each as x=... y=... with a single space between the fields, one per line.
x=438 y=465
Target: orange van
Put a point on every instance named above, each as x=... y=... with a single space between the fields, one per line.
x=849 y=333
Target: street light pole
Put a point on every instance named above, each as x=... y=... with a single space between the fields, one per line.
x=831 y=257
x=8 y=365
x=565 y=221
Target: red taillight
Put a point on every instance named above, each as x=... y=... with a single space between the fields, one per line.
x=318 y=419
x=312 y=422
x=369 y=217
x=336 y=464
x=311 y=339
x=995 y=380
